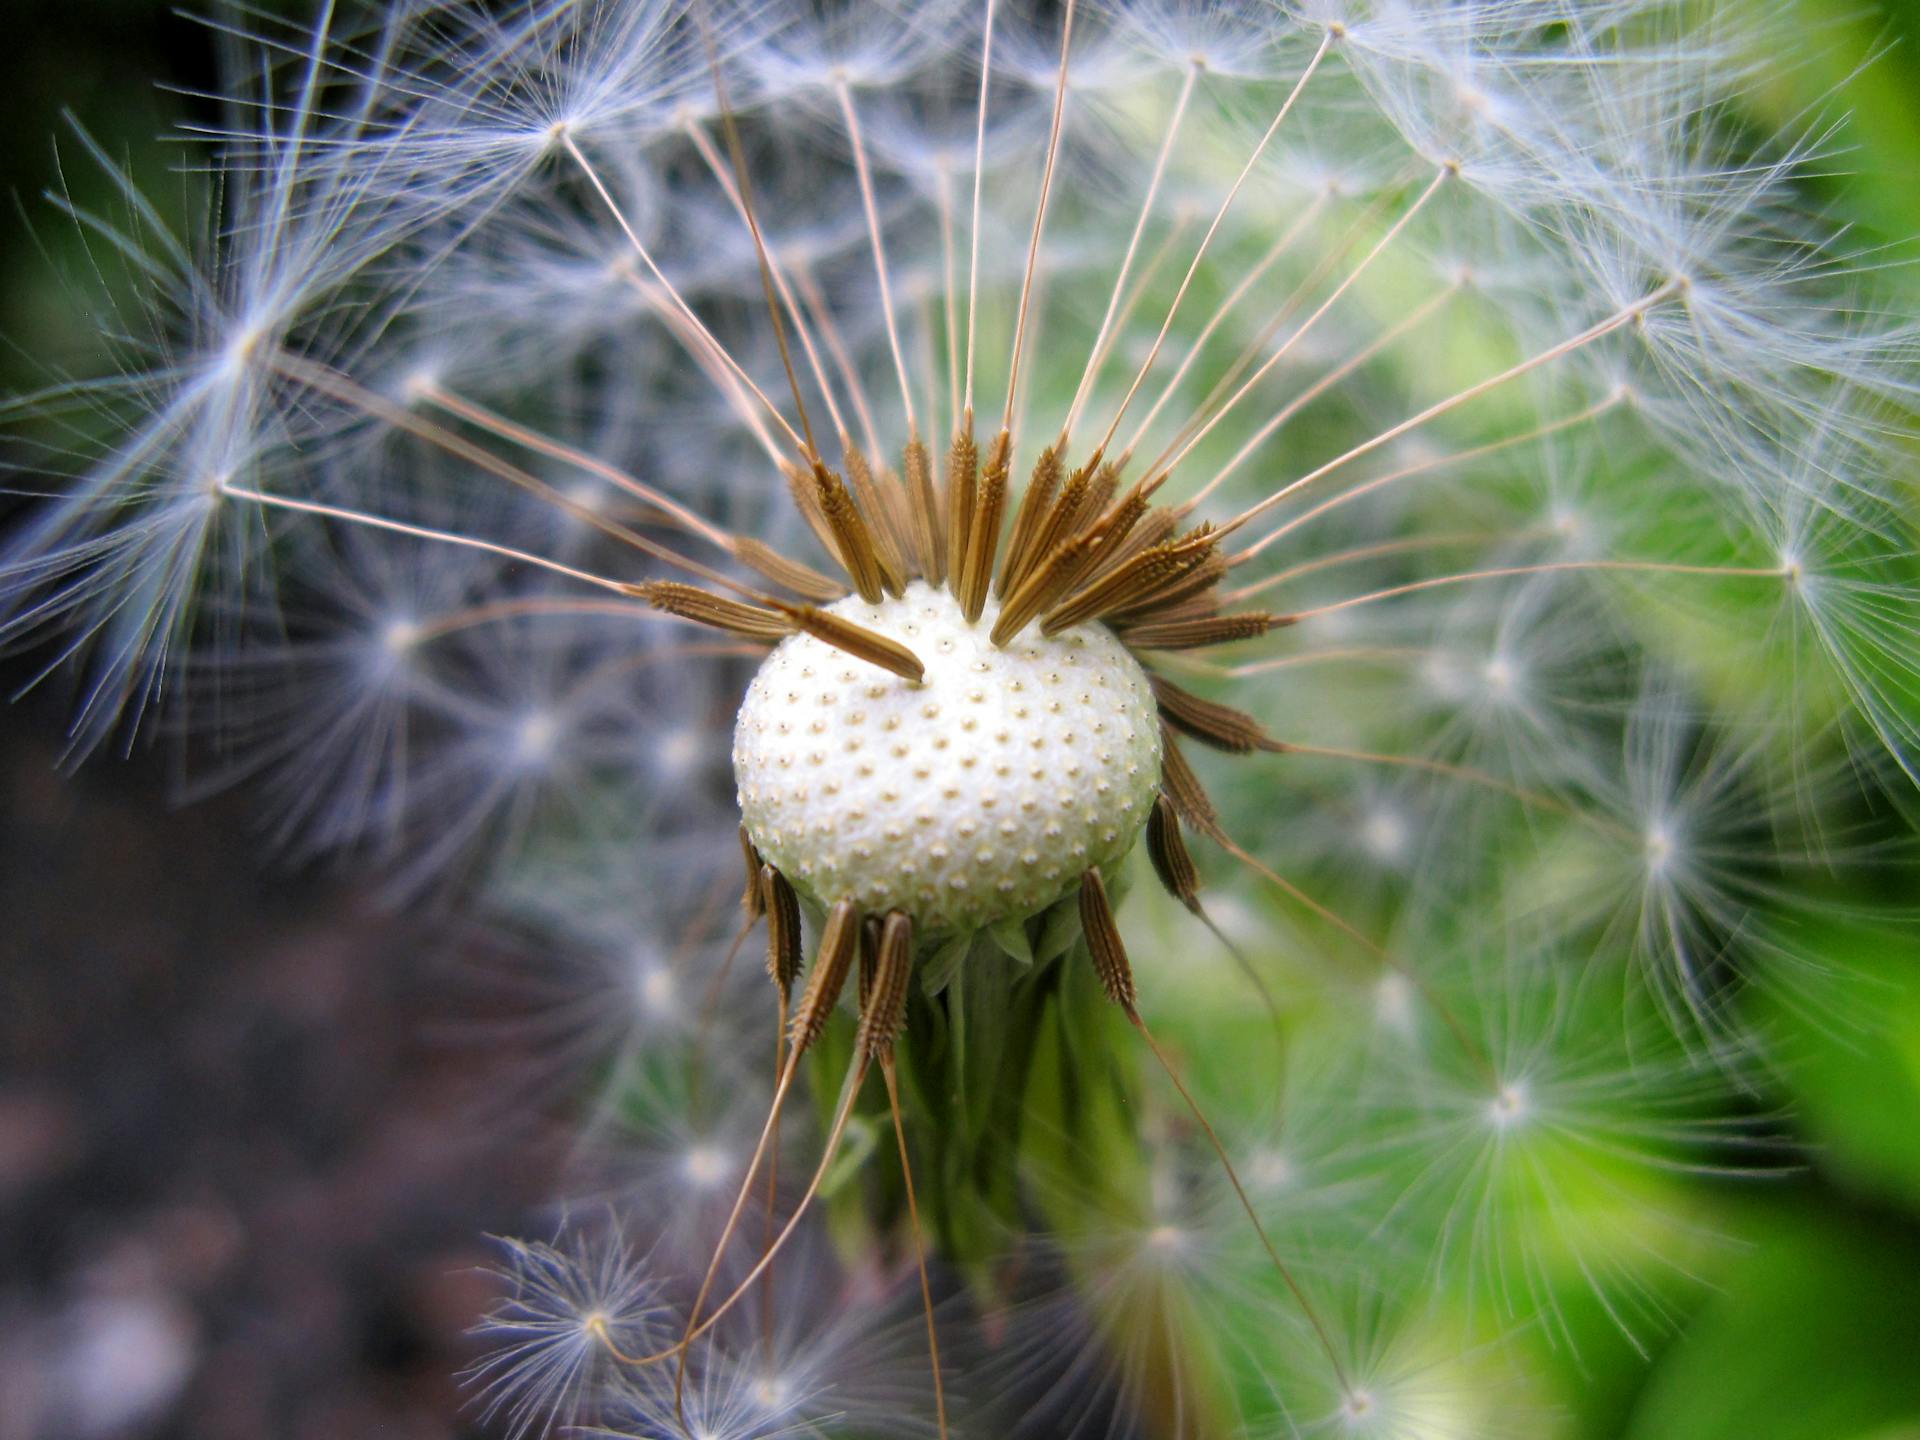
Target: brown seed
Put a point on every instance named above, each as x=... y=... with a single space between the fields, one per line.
x=853 y=541
x=1207 y=721
x=806 y=500
x=963 y=475
x=1120 y=589
x=839 y=938
x=802 y=580
x=689 y=602
x=857 y=641
x=1177 y=591
x=1104 y=943
x=783 y=928
x=1030 y=519
x=984 y=541
x=1098 y=495
x=885 y=1014
x=1181 y=786
x=873 y=501
x=1193 y=632
x=1168 y=851
x=1113 y=528
x=1041 y=588
x=869 y=958
x=1156 y=526
x=929 y=536
x=752 y=898
x=1204 y=605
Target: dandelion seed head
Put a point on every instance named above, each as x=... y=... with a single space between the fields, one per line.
x=1393 y=1004
x=982 y=792
x=1385 y=835
x=398 y=636
x=657 y=991
x=1510 y=1106
x=706 y=1167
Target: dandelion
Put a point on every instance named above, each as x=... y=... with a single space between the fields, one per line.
x=1400 y=476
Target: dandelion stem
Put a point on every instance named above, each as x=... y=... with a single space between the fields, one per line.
x=1364 y=653
x=469 y=616
x=842 y=358
x=773 y=1172
x=843 y=1111
x=764 y=258
x=1468 y=773
x=943 y=193
x=1468 y=1045
x=1240 y=1193
x=1406 y=544
x=1109 y=955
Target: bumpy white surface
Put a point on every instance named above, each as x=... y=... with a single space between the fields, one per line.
x=981 y=793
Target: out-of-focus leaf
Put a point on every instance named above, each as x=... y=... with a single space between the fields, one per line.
x=1811 y=1339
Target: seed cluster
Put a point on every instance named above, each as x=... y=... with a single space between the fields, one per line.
x=982 y=793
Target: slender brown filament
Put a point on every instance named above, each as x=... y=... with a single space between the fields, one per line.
x=690 y=602
x=837 y=941
x=1116 y=978
x=919 y=1239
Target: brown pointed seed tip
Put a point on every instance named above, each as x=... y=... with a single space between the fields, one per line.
x=1029 y=519
x=929 y=535
x=857 y=640
x=839 y=938
x=1040 y=589
x=1119 y=588
x=783 y=928
x=1208 y=721
x=869 y=959
x=1113 y=529
x=1182 y=787
x=1168 y=851
x=874 y=504
x=1180 y=591
x=690 y=602
x=853 y=541
x=1104 y=943
x=984 y=541
x=886 y=1010
x=1196 y=631
x=806 y=500
x=963 y=474
x=752 y=897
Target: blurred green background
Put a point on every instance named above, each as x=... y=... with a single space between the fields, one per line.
x=1808 y=1327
